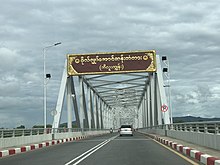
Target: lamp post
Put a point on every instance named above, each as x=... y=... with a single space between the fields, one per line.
x=45 y=78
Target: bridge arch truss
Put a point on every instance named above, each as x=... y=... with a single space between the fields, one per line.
x=107 y=100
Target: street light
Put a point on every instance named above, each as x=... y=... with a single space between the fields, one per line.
x=45 y=78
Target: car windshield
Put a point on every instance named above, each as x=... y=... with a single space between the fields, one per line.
x=126 y=126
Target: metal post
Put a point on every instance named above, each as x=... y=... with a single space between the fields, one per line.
x=45 y=92
x=81 y=104
x=95 y=110
x=56 y=120
x=89 y=107
x=69 y=106
x=45 y=82
x=148 y=105
x=163 y=98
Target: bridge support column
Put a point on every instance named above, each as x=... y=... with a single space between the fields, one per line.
x=105 y=116
x=92 y=106
x=148 y=106
x=101 y=113
x=81 y=108
x=153 y=99
x=109 y=117
x=69 y=106
x=140 y=119
x=89 y=108
x=86 y=122
x=95 y=110
x=139 y=114
x=158 y=104
x=155 y=102
x=143 y=108
x=166 y=116
x=56 y=120
x=74 y=101
x=146 y=109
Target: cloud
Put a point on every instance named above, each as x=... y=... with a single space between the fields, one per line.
x=197 y=100
x=186 y=31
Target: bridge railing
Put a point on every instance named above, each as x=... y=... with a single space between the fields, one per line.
x=201 y=133
x=211 y=127
x=203 y=127
x=7 y=133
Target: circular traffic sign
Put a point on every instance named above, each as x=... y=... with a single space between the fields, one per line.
x=164 y=108
x=53 y=112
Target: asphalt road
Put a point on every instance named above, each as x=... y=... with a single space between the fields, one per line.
x=110 y=149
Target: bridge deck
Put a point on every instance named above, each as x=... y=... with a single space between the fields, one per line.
x=107 y=149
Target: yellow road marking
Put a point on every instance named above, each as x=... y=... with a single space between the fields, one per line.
x=182 y=156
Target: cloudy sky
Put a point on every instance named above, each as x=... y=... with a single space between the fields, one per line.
x=188 y=32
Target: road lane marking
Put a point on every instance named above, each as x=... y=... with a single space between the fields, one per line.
x=177 y=153
x=99 y=140
x=132 y=139
x=90 y=151
x=85 y=153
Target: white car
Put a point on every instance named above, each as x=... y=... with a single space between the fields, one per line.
x=126 y=130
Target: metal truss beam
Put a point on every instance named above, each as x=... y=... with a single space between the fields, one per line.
x=99 y=97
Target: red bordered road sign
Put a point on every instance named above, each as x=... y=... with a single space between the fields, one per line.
x=164 y=108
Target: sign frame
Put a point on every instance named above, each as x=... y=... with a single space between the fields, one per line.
x=111 y=62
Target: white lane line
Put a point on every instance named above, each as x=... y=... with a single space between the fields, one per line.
x=91 y=150
x=133 y=139
x=85 y=153
x=99 y=140
x=91 y=153
x=112 y=138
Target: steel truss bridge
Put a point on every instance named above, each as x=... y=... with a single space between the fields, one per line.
x=99 y=102
x=105 y=101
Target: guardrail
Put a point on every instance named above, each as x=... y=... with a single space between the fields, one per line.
x=205 y=127
x=7 y=133
x=202 y=133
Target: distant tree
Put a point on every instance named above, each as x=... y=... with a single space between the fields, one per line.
x=178 y=121
x=38 y=126
x=63 y=125
x=41 y=126
x=21 y=127
x=49 y=126
x=74 y=126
